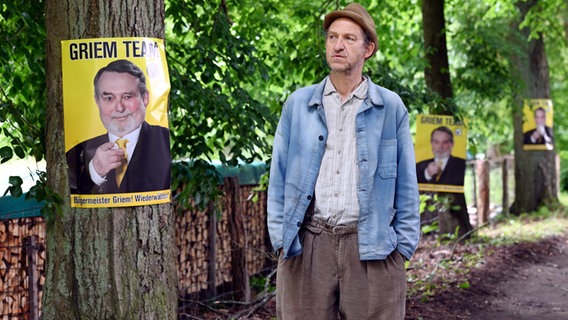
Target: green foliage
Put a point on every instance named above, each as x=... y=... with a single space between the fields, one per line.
x=22 y=84
x=262 y=284
x=42 y=192
x=529 y=227
x=479 y=38
x=543 y=18
x=15 y=188
x=429 y=228
x=204 y=190
x=563 y=170
x=554 y=18
x=233 y=63
x=464 y=285
x=213 y=113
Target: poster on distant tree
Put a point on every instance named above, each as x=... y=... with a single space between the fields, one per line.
x=115 y=100
x=538 y=124
x=440 y=147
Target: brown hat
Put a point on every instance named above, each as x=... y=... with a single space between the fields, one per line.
x=357 y=13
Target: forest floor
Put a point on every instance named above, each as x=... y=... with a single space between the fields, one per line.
x=526 y=280
x=500 y=274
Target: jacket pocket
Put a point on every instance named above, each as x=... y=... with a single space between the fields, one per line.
x=387 y=170
x=386 y=166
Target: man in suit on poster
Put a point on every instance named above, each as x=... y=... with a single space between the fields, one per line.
x=443 y=168
x=542 y=134
x=133 y=156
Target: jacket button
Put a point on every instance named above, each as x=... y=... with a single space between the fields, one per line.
x=299 y=224
x=309 y=197
x=320 y=138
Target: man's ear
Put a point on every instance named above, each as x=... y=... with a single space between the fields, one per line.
x=146 y=99
x=370 y=48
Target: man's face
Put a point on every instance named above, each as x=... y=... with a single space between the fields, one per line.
x=540 y=117
x=345 y=46
x=121 y=106
x=441 y=144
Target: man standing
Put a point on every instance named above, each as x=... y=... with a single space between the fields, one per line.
x=343 y=206
x=133 y=156
x=443 y=168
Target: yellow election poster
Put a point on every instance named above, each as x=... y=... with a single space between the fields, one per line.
x=538 y=124
x=440 y=147
x=115 y=102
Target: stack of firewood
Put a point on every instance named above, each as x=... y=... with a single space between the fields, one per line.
x=16 y=259
x=193 y=235
x=255 y=226
x=223 y=250
x=201 y=257
x=192 y=238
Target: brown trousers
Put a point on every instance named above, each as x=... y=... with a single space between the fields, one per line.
x=328 y=281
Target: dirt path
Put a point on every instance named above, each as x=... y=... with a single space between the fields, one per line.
x=517 y=282
x=538 y=290
x=521 y=282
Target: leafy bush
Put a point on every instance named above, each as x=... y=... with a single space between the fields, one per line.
x=563 y=170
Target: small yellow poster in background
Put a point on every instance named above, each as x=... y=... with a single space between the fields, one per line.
x=538 y=116
x=437 y=135
x=81 y=60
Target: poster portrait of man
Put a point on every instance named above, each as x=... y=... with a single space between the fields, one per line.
x=537 y=127
x=441 y=160
x=126 y=150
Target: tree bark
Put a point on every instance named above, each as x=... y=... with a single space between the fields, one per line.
x=102 y=263
x=535 y=171
x=437 y=74
x=239 y=272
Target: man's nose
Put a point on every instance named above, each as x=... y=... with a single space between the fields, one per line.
x=119 y=106
x=338 y=45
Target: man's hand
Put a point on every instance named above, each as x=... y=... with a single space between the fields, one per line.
x=537 y=134
x=433 y=169
x=107 y=158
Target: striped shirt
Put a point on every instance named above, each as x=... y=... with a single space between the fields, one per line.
x=336 y=186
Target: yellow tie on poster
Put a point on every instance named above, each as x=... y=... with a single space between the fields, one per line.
x=440 y=163
x=121 y=169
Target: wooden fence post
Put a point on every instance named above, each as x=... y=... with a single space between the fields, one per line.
x=212 y=265
x=33 y=296
x=474 y=178
x=505 y=177
x=239 y=272
x=483 y=196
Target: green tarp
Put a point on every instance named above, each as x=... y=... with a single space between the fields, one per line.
x=13 y=208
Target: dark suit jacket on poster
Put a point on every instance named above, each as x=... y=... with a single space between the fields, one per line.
x=148 y=169
x=453 y=174
x=528 y=134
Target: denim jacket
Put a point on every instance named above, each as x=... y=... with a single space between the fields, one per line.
x=387 y=188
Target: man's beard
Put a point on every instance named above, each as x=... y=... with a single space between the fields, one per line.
x=122 y=128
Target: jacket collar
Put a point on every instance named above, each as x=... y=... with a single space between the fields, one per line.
x=374 y=97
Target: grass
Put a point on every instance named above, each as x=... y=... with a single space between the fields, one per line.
x=529 y=227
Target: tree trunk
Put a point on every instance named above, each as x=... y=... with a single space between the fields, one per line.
x=437 y=74
x=102 y=263
x=239 y=272
x=535 y=171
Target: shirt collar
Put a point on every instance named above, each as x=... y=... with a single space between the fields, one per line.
x=132 y=137
x=360 y=92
